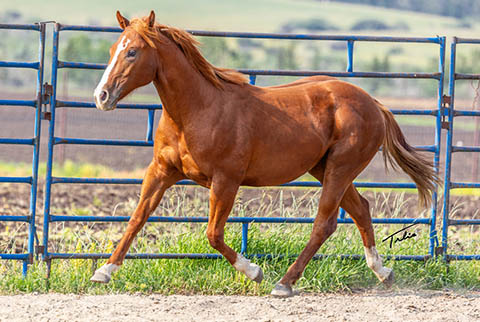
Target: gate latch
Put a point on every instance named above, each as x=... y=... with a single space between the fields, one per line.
x=446 y=103
x=47 y=93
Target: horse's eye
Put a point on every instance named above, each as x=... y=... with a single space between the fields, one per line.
x=131 y=53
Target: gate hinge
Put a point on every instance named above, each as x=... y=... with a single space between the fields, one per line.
x=47 y=93
x=445 y=110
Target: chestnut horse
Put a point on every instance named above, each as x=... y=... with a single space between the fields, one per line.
x=222 y=132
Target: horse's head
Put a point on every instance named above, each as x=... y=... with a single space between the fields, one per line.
x=132 y=64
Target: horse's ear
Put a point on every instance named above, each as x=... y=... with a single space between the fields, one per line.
x=122 y=21
x=151 y=19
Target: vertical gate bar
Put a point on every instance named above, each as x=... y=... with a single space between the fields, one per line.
x=36 y=144
x=341 y=215
x=438 y=143
x=350 y=44
x=253 y=79
x=244 y=238
x=448 y=154
x=25 y=268
x=51 y=129
x=151 y=118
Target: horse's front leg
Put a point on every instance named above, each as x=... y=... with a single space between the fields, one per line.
x=157 y=179
x=222 y=197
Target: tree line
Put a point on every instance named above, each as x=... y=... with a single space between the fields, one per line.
x=450 y=8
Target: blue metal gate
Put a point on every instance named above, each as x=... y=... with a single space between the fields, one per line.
x=436 y=112
x=453 y=113
x=34 y=142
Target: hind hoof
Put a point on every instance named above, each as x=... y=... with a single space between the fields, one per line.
x=388 y=282
x=281 y=290
x=259 y=277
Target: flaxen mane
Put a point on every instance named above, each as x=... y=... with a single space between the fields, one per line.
x=188 y=45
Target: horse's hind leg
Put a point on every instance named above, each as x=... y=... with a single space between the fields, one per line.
x=339 y=173
x=358 y=208
x=157 y=179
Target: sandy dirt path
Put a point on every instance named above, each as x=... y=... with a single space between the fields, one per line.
x=364 y=306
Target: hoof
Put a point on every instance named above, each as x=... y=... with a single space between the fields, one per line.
x=281 y=290
x=388 y=282
x=104 y=273
x=100 y=277
x=259 y=277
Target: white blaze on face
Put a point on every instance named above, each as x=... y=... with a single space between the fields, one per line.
x=121 y=47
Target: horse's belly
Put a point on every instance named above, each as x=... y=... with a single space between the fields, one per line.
x=275 y=169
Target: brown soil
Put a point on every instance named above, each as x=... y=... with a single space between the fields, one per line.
x=365 y=306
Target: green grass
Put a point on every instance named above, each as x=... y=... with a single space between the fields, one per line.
x=218 y=277
x=186 y=276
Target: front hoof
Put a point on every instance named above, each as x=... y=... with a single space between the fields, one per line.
x=104 y=273
x=100 y=277
x=259 y=277
x=281 y=290
x=388 y=282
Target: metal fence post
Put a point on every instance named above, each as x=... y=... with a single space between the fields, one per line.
x=438 y=137
x=448 y=152
x=51 y=131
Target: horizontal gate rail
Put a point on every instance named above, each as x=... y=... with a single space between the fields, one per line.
x=448 y=183
x=34 y=142
x=53 y=140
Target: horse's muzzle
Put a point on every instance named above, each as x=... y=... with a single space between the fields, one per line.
x=103 y=100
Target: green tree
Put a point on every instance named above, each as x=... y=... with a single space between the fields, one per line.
x=221 y=53
x=286 y=58
x=379 y=65
x=82 y=48
x=316 y=63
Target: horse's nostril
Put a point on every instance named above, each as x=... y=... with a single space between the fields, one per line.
x=104 y=96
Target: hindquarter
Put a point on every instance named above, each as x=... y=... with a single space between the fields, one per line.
x=359 y=123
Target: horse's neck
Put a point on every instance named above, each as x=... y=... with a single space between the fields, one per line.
x=183 y=90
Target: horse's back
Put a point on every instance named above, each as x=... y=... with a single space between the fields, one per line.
x=320 y=97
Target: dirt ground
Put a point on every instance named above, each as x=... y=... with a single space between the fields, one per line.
x=372 y=305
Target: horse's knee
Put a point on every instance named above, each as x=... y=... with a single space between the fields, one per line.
x=324 y=229
x=331 y=226
x=215 y=239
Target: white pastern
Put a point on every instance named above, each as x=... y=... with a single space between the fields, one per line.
x=375 y=263
x=243 y=265
x=121 y=47
x=104 y=273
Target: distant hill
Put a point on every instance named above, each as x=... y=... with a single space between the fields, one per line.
x=449 y=8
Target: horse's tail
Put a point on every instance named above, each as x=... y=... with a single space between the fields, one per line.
x=397 y=152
